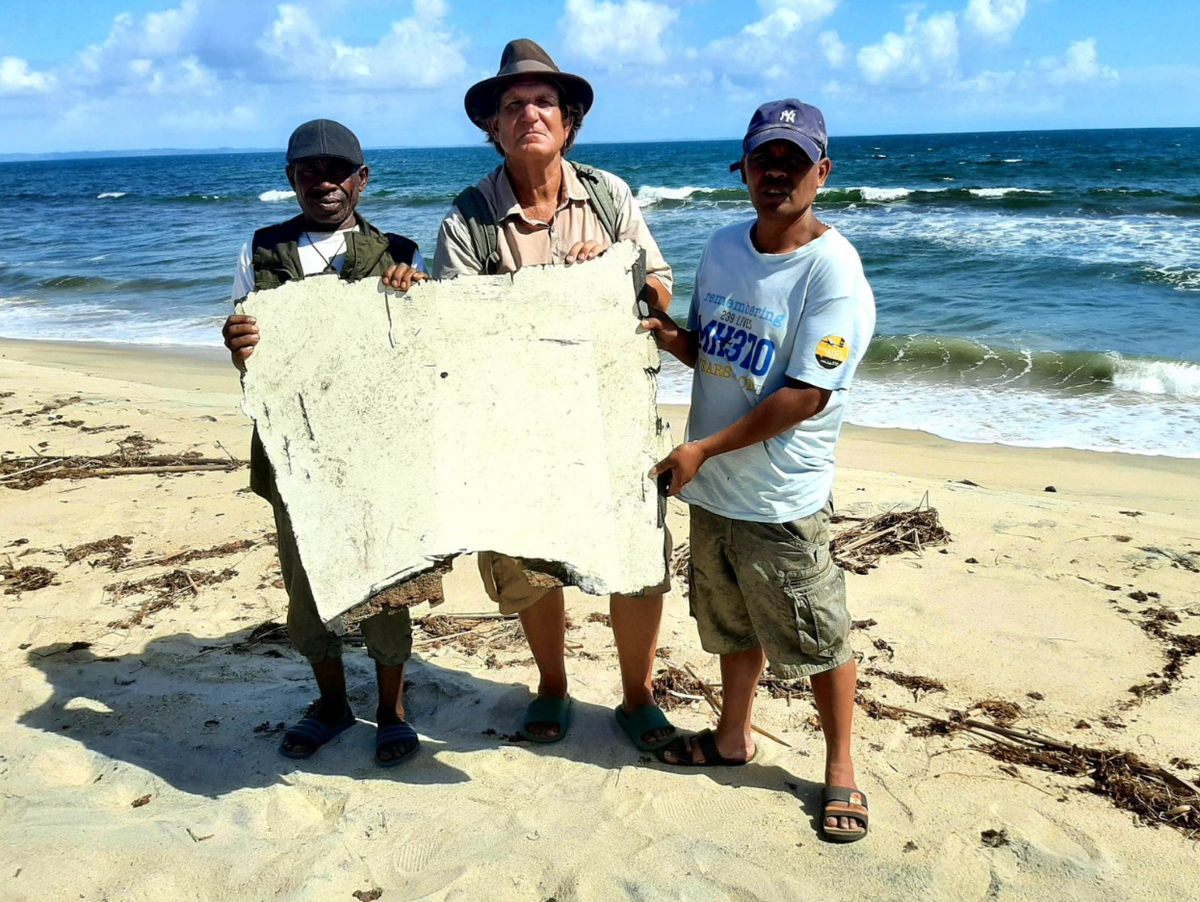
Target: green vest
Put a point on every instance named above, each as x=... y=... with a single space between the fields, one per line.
x=275 y=260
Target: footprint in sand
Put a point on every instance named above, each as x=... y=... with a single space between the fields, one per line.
x=711 y=805
x=414 y=856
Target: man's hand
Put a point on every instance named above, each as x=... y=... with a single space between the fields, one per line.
x=241 y=335
x=682 y=463
x=582 y=251
x=666 y=330
x=402 y=277
x=668 y=335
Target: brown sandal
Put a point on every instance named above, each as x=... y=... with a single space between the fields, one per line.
x=840 y=801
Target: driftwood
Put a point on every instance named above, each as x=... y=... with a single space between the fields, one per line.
x=860 y=547
x=130 y=459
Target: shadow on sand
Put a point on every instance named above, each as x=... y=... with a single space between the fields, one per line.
x=231 y=701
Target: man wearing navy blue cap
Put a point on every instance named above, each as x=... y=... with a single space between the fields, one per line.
x=781 y=315
x=329 y=239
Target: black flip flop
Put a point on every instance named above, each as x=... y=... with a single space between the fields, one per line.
x=708 y=745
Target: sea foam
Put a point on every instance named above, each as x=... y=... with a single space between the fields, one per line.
x=1179 y=379
x=275 y=196
x=1002 y=192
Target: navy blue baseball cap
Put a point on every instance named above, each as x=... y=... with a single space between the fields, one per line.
x=324 y=138
x=787 y=120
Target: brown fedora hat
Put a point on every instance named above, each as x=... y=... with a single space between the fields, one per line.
x=523 y=59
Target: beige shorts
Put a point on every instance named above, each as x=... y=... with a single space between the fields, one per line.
x=515 y=587
x=769 y=584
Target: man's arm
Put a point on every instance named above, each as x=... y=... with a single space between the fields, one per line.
x=455 y=254
x=239 y=333
x=794 y=403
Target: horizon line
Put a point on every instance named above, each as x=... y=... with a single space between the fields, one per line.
x=36 y=156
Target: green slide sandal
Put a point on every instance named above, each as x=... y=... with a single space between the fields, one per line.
x=644 y=719
x=547 y=709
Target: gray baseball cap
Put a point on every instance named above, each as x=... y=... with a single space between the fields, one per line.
x=324 y=138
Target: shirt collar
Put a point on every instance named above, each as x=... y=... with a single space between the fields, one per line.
x=507 y=204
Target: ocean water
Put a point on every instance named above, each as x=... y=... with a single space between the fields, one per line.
x=1033 y=288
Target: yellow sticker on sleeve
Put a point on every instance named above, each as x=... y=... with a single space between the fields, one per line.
x=832 y=351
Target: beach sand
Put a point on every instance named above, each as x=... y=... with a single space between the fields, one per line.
x=1032 y=595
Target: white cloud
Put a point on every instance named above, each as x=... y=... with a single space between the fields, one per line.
x=1079 y=67
x=776 y=42
x=16 y=78
x=415 y=53
x=833 y=48
x=995 y=19
x=610 y=34
x=986 y=82
x=926 y=52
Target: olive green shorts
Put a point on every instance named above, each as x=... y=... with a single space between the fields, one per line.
x=770 y=584
x=388 y=634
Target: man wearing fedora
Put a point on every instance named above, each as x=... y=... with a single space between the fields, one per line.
x=781 y=315
x=536 y=208
x=329 y=239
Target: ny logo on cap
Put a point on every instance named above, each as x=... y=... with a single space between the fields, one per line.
x=788 y=116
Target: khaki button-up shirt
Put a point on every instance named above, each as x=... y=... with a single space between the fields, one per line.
x=526 y=242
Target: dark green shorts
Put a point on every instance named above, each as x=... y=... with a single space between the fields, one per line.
x=770 y=584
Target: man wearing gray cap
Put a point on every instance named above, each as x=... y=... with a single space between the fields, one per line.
x=781 y=315
x=538 y=208
x=329 y=239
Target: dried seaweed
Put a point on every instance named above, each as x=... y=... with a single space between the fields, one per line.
x=26 y=579
x=913 y=683
x=599 y=617
x=994 y=838
x=679 y=567
x=56 y=404
x=673 y=689
x=1156 y=795
x=166 y=590
x=1153 y=794
x=470 y=635
x=859 y=548
x=1183 y=561
x=1000 y=711
x=114 y=550
x=192 y=554
x=788 y=689
x=877 y=710
x=1176 y=648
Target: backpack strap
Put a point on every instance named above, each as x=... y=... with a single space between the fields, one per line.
x=481 y=225
x=605 y=205
x=600 y=197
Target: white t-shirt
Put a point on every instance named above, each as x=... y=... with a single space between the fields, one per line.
x=317 y=250
x=807 y=315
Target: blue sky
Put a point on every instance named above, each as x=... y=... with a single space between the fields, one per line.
x=137 y=74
